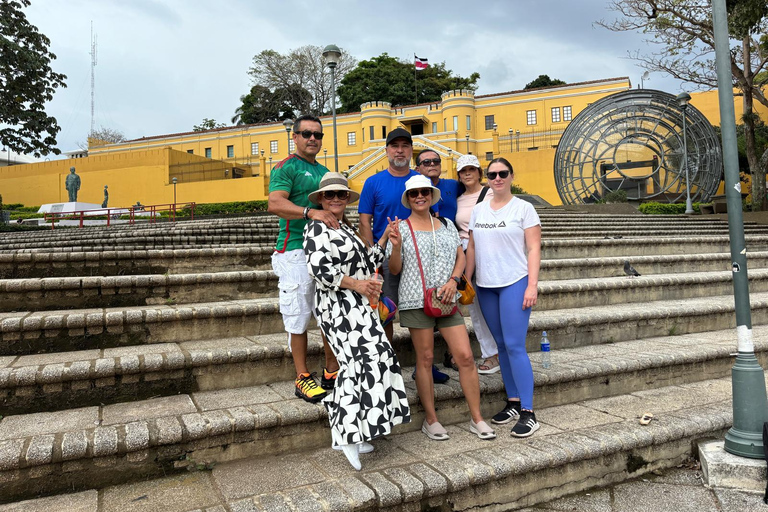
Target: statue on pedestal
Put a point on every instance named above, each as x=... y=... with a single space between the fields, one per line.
x=106 y=197
x=72 y=184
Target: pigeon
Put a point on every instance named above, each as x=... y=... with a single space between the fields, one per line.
x=629 y=270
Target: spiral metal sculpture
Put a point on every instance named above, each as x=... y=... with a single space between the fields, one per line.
x=633 y=141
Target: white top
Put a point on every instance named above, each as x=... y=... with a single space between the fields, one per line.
x=500 y=255
x=465 y=203
x=438 y=257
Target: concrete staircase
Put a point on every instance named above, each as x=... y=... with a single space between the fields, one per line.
x=128 y=354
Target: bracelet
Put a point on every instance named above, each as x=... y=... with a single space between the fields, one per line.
x=457 y=279
x=306 y=213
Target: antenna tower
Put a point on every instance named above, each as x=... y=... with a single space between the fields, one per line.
x=93 y=76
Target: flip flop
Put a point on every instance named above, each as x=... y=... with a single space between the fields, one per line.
x=482 y=430
x=435 y=431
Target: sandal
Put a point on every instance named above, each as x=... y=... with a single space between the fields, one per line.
x=435 y=431
x=489 y=366
x=482 y=430
x=448 y=361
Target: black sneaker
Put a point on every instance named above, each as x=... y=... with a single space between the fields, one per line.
x=328 y=380
x=526 y=425
x=510 y=412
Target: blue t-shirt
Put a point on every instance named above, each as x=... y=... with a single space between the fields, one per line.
x=381 y=197
x=449 y=195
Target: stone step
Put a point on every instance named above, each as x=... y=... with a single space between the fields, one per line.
x=64 y=379
x=633 y=247
x=23 y=333
x=147 y=241
x=60 y=293
x=577 y=293
x=18 y=265
x=96 y=446
x=596 y=267
x=580 y=447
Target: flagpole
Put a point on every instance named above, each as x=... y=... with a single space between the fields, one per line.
x=415 y=83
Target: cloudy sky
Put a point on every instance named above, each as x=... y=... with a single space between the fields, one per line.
x=164 y=65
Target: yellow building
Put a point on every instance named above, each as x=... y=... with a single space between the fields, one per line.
x=233 y=164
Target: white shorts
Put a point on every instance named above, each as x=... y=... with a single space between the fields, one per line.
x=297 y=290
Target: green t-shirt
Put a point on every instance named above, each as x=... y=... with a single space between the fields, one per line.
x=299 y=178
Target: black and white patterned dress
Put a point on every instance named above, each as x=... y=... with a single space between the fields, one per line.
x=369 y=396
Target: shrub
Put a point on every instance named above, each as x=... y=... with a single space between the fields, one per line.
x=653 y=208
x=237 y=207
x=619 y=196
x=517 y=190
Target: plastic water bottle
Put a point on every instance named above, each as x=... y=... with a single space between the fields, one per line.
x=546 y=361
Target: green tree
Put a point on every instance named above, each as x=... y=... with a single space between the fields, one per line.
x=543 y=81
x=27 y=82
x=386 y=78
x=297 y=72
x=263 y=106
x=683 y=33
x=207 y=124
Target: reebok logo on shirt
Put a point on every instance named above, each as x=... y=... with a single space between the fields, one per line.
x=483 y=225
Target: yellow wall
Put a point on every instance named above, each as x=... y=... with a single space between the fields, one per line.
x=141 y=170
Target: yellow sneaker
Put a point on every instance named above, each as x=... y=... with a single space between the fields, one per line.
x=328 y=380
x=307 y=388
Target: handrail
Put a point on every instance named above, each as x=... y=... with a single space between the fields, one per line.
x=115 y=213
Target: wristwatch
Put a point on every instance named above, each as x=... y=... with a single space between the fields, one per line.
x=457 y=279
x=306 y=213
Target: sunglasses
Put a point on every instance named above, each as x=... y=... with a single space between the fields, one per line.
x=330 y=194
x=416 y=192
x=502 y=174
x=430 y=161
x=307 y=134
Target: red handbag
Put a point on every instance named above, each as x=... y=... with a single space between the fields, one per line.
x=433 y=306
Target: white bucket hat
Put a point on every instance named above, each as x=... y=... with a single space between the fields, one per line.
x=419 y=182
x=333 y=181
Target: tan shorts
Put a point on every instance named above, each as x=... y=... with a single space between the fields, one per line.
x=417 y=319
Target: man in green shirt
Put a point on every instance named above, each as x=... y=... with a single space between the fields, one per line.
x=290 y=184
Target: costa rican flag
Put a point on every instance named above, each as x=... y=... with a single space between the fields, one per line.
x=420 y=63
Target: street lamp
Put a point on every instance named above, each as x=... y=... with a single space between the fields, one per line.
x=331 y=56
x=270 y=164
x=325 y=156
x=683 y=99
x=467 y=143
x=288 y=123
x=174 y=192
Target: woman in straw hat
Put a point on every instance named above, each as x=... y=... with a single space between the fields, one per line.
x=369 y=396
x=442 y=261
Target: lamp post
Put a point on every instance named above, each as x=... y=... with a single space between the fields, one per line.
x=331 y=56
x=750 y=405
x=270 y=164
x=467 y=137
x=175 y=180
x=683 y=99
x=518 y=140
x=325 y=157
x=288 y=123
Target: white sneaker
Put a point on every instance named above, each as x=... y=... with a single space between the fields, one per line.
x=352 y=451
x=364 y=447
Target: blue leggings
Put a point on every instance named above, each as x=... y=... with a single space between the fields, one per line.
x=508 y=322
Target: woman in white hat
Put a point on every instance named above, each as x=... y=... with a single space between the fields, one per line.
x=442 y=261
x=369 y=396
x=470 y=175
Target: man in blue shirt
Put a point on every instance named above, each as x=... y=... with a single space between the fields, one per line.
x=428 y=163
x=380 y=199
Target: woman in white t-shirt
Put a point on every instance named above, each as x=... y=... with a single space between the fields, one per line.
x=470 y=175
x=504 y=255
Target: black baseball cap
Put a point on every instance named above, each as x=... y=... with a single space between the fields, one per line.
x=399 y=133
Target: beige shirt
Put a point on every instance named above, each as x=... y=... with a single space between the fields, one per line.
x=465 y=203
